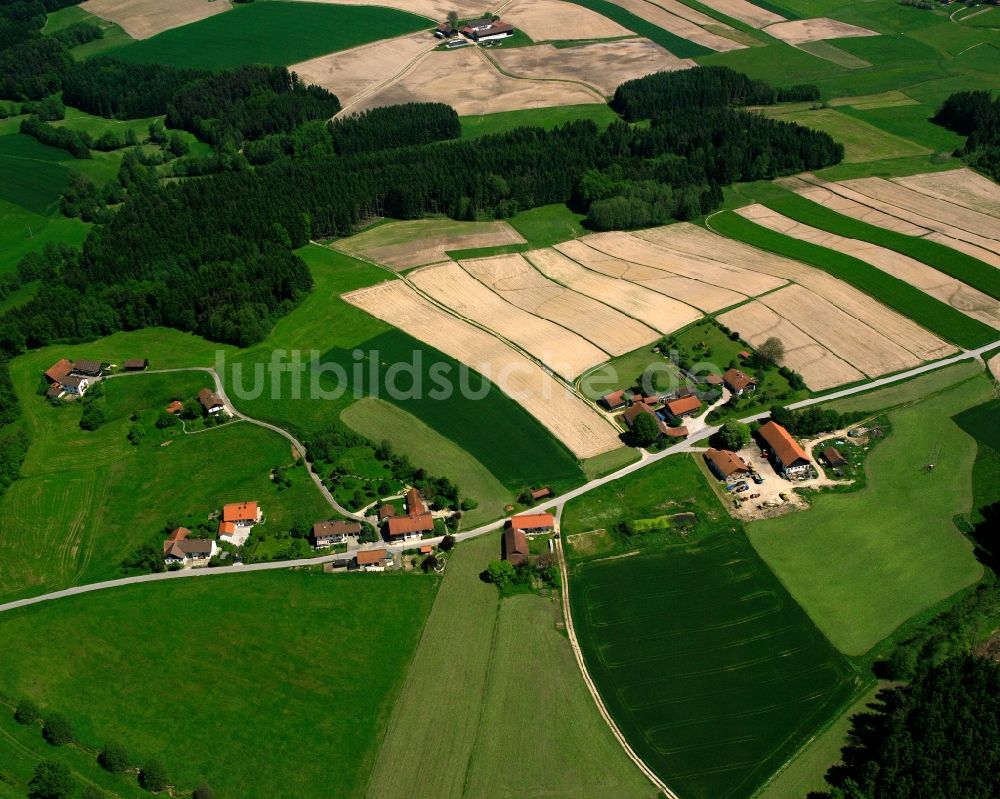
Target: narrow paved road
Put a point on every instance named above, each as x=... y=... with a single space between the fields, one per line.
x=699 y=431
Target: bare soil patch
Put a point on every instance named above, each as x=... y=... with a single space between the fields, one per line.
x=752 y=15
x=550 y=20
x=350 y=72
x=819 y=367
x=563 y=351
x=469 y=83
x=419 y=242
x=966 y=299
x=659 y=312
x=603 y=65
x=800 y=31
x=704 y=296
x=994 y=366
x=656 y=14
x=959 y=186
x=581 y=428
x=518 y=282
x=142 y=19
x=679 y=9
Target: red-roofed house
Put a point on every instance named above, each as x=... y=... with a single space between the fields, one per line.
x=178 y=548
x=788 y=456
x=640 y=407
x=59 y=370
x=614 y=400
x=737 y=382
x=685 y=406
x=726 y=465
x=534 y=523
x=242 y=514
x=415 y=505
x=371 y=560
x=409 y=528
x=515 y=546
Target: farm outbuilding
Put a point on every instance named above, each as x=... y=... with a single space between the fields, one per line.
x=515 y=546
x=833 y=457
x=726 y=465
x=788 y=456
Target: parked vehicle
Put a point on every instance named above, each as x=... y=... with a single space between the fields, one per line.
x=757 y=478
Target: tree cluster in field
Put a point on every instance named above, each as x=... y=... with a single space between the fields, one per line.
x=936 y=737
x=813 y=420
x=79 y=33
x=506 y=576
x=13 y=449
x=76 y=142
x=976 y=115
x=664 y=93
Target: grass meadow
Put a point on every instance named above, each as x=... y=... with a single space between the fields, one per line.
x=275 y=32
x=910 y=301
x=516 y=697
x=859 y=562
x=709 y=667
x=540 y=227
x=262 y=685
x=489 y=124
x=114 y=35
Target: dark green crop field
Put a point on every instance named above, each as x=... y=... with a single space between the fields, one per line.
x=910 y=301
x=679 y=46
x=271 y=33
x=982 y=423
x=711 y=670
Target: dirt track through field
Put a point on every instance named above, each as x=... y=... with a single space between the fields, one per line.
x=819 y=367
x=552 y=20
x=563 y=351
x=703 y=296
x=142 y=19
x=960 y=186
x=957 y=294
x=866 y=310
x=801 y=31
x=584 y=431
x=656 y=14
x=603 y=65
x=752 y=15
x=518 y=282
x=659 y=312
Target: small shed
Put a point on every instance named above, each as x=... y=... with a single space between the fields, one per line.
x=834 y=458
x=136 y=364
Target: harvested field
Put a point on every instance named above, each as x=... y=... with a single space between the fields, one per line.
x=659 y=312
x=640 y=250
x=909 y=335
x=657 y=15
x=994 y=366
x=800 y=31
x=584 y=431
x=564 y=352
x=603 y=65
x=703 y=296
x=467 y=81
x=350 y=72
x=819 y=367
x=752 y=15
x=960 y=186
x=436 y=10
x=518 y=282
x=419 y=242
x=142 y=19
x=842 y=205
x=679 y=9
x=552 y=20
x=957 y=294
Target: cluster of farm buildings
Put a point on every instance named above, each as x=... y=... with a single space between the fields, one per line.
x=68 y=378
x=486 y=29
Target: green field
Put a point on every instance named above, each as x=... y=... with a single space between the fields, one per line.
x=428 y=449
x=680 y=47
x=910 y=301
x=114 y=36
x=859 y=562
x=515 y=696
x=87 y=499
x=908 y=391
x=203 y=673
x=710 y=669
x=488 y=124
x=541 y=227
x=270 y=33
x=958 y=265
x=981 y=423
x=325 y=326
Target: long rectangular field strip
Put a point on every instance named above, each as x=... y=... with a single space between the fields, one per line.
x=679 y=46
x=958 y=265
x=927 y=311
x=710 y=669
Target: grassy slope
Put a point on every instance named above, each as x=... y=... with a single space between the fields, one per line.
x=258 y=684
x=451 y=738
x=114 y=36
x=910 y=301
x=858 y=563
x=488 y=124
x=271 y=33
x=378 y=421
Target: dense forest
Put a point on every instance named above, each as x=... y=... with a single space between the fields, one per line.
x=939 y=736
x=976 y=115
x=32 y=66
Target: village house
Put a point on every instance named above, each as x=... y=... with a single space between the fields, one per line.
x=415 y=505
x=833 y=458
x=685 y=406
x=534 y=523
x=738 y=382
x=64 y=379
x=136 y=364
x=178 y=548
x=727 y=466
x=614 y=400
x=328 y=533
x=787 y=455
x=515 y=546
x=639 y=408
x=210 y=401
x=485 y=30
x=677 y=432
x=409 y=528
x=231 y=534
x=242 y=514
x=371 y=560
x=445 y=30
x=386 y=511
x=87 y=368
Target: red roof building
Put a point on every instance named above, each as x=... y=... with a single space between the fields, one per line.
x=787 y=453
x=59 y=370
x=614 y=400
x=415 y=505
x=737 y=382
x=407 y=527
x=534 y=522
x=685 y=406
x=241 y=513
x=515 y=546
x=726 y=465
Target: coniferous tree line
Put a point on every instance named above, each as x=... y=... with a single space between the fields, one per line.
x=110 y=88
x=976 y=115
x=395 y=126
x=32 y=66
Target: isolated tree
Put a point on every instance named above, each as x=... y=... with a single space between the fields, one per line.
x=453 y=19
x=645 y=431
x=733 y=435
x=501 y=573
x=27 y=712
x=57 y=730
x=51 y=781
x=430 y=563
x=153 y=776
x=772 y=351
x=113 y=757
x=447 y=543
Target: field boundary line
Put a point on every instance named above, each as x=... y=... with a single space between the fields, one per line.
x=378 y=86
x=578 y=654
